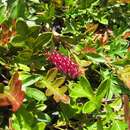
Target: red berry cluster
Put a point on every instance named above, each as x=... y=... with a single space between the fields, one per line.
x=64 y=64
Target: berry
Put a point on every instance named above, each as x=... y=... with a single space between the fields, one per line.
x=64 y=64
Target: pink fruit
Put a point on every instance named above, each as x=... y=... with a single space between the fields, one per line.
x=63 y=63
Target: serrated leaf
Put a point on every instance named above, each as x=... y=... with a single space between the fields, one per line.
x=103 y=89
x=77 y=91
x=87 y=87
x=22 y=120
x=36 y=94
x=68 y=111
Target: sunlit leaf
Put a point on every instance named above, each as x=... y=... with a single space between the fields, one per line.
x=124 y=75
x=58 y=3
x=30 y=80
x=91 y=27
x=2 y=13
x=49 y=92
x=87 y=87
x=103 y=89
x=119 y=125
x=58 y=82
x=54 y=87
x=83 y=89
x=36 y=94
x=89 y=107
x=51 y=74
x=95 y=57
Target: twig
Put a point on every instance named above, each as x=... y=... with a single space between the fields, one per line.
x=126 y=110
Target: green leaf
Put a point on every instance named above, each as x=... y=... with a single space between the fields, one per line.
x=44 y=39
x=22 y=28
x=95 y=57
x=103 y=89
x=68 y=40
x=24 y=56
x=119 y=125
x=20 y=44
x=36 y=94
x=34 y=31
x=35 y=1
x=18 y=39
x=2 y=13
x=103 y=20
x=51 y=74
x=77 y=91
x=99 y=124
x=58 y=4
x=43 y=117
x=54 y=87
x=58 y=82
x=121 y=62
x=2 y=61
x=22 y=120
x=83 y=89
x=17 y=8
x=89 y=107
x=86 y=87
x=25 y=120
x=30 y=80
x=67 y=111
x=116 y=104
x=40 y=126
x=23 y=67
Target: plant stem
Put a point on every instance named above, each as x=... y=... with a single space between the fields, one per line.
x=126 y=110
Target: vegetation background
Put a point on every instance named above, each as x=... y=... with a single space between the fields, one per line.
x=64 y=64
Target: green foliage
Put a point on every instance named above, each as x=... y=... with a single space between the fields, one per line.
x=35 y=95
